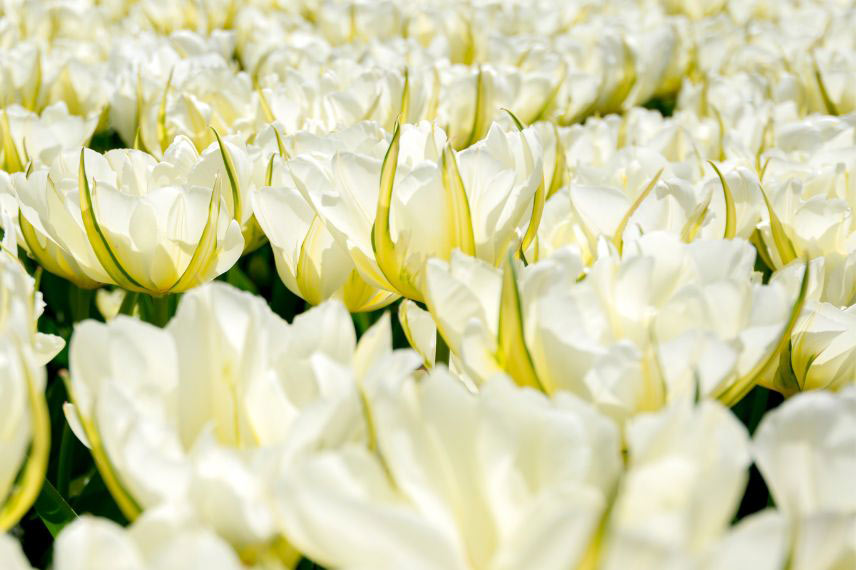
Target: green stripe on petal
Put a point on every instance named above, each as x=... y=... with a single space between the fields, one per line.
x=205 y=250
x=97 y=239
x=231 y=173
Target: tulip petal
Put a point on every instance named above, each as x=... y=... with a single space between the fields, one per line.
x=384 y=249
x=618 y=236
x=512 y=354
x=231 y=172
x=100 y=245
x=783 y=244
x=730 y=212
x=457 y=204
x=734 y=392
x=206 y=249
x=33 y=471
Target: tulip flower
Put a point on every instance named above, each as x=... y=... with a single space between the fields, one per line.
x=92 y=543
x=24 y=429
x=687 y=468
x=12 y=555
x=821 y=353
x=217 y=401
x=126 y=219
x=26 y=136
x=311 y=263
x=646 y=327
x=430 y=200
x=804 y=450
x=500 y=479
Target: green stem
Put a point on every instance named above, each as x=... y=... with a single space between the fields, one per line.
x=80 y=302
x=155 y=310
x=129 y=303
x=63 y=470
x=362 y=322
x=441 y=354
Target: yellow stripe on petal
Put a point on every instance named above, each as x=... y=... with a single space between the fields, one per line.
x=695 y=221
x=730 y=211
x=783 y=244
x=231 y=173
x=33 y=101
x=481 y=114
x=308 y=281
x=384 y=249
x=457 y=204
x=405 y=97
x=163 y=135
x=129 y=507
x=551 y=97
x=33 y=473
x=618 y=237
x=44 y=259
x=734 y=392
x=821 y=86
x=512 y=354
x=559 y=166
x=537 y=205
x=279 y=145
x=514 y=119
x=100 y=245
x=206 y=249
x=269 y=171
x=11 y=158
x=265 y=106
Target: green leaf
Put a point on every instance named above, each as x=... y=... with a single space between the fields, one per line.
x=53 y=509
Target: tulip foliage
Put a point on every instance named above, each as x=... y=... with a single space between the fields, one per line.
x=476 y=285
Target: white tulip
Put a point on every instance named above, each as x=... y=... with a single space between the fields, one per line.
x=686 y=471
x=24 y=428
x=804 y=450
x=125 y=218
x=11 y=555
x=165 y=537
x=429 y=200
x=662 y=322
x=215 y=402
x=458 y=481
x=40 y=137
x=310 y=261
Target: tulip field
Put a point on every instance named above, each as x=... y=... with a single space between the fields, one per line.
x=428 y=284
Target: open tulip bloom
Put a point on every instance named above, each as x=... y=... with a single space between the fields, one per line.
x=471 y=285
